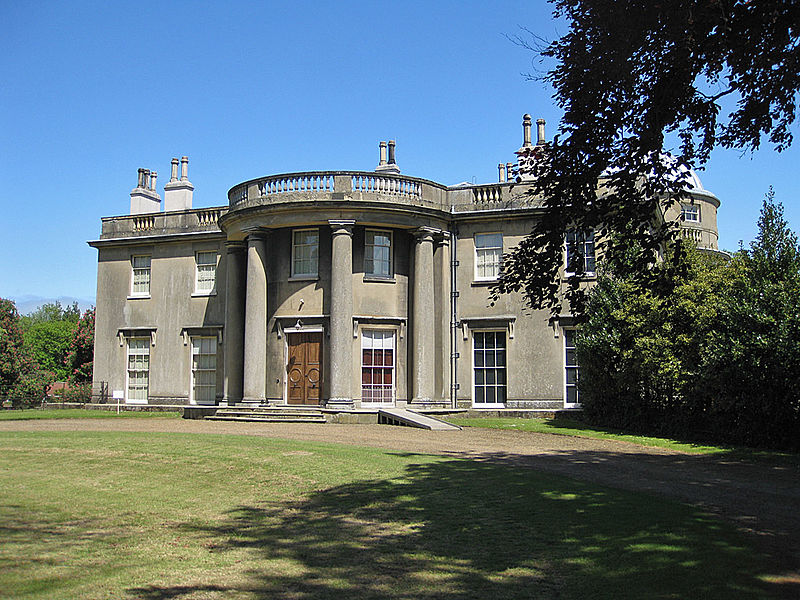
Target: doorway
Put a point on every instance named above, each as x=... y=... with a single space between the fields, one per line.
x=304 y=368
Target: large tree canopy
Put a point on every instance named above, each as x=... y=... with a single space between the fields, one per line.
x=640 y=80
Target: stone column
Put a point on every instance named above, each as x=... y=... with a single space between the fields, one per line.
x=423 y=320
x=444 y=287
x=341 y=312
x=255 y=320
x=234 y=319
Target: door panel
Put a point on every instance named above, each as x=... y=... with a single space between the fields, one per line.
x=304 y=368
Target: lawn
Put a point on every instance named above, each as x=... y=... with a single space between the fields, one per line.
x=189 y=516
x=80 y=413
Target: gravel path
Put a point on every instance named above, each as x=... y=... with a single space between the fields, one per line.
x=762 y=498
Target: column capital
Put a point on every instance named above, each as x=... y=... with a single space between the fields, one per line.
x=342 y=227
x=256 y=234
x=441 y=238
x=426 y=234
x=233 y=246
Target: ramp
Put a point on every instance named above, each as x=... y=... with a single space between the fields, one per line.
x=409 y=418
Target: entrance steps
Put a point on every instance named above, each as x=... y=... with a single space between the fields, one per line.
x=268 y=414
x=408 y=418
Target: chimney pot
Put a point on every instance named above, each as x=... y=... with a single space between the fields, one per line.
x=501 y=173
x=140 y=180
x=383 y=154
x=153 y=177
x=540 y=132
x=184 y=168
x=391 y=152
x=526 y=130
x=173 y=175
x=509 y=171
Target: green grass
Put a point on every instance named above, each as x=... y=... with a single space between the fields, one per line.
x=80 y=413
x=158 y=516
x=574 y=428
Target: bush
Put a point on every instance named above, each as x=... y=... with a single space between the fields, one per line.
x=713 y=352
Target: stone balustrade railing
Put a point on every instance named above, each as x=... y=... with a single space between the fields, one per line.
x=199 y=220
x=337 y=185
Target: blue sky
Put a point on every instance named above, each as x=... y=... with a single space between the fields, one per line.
x=93 y=91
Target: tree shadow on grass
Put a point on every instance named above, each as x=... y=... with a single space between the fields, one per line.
x=471 y=529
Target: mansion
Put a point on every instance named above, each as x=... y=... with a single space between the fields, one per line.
x=342 y=289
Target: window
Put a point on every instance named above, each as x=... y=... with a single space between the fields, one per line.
x=140 y=276
x=204 y=370
x=488 y=255
x=138 y=369
x=378 y=253
x=571 y=367
x=205 y=272
x=580 y=252
x=305 y=253
x=377 y=366
x=690 y=213
x=489 y=364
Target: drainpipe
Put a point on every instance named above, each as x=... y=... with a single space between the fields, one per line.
x=453 y=319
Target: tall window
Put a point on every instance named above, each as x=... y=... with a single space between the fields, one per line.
x=305 y=253
x=204 y=370
x=572 y=369
x=489 y=364
x=138 y=369
x=488 y=255
x=377 y=366
x=690 y=213
x=205 y=272
x=140 y=275
x=378 y=253
x=580 y=252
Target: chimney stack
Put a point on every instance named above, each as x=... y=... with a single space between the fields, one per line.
x=178 y=193
x=144 y=198
x=387 y=166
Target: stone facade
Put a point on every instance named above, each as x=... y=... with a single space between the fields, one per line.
x=353 y=289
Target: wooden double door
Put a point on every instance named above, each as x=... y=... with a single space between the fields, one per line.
x=304 y=368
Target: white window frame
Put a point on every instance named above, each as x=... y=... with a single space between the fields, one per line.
x=391 y=336
x=143 y=273
x=568 y=332
x=295 y=247
x=370 y=256
x=690 y=213
x=142 y=344
x=197 y=343
x=205 y=267
x=481 y=252
x=589 y=257
x=475 y=384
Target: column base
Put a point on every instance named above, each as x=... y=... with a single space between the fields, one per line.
x=340 y=403
x=254 y=401
x=423 y=403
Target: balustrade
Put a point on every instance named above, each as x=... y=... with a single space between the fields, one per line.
x=144 y=223
x=307 y=182
x=487 y=193
x=386 y=185
x=207 y=218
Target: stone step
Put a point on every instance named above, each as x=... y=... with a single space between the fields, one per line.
x=267 y=419
x=264 y=413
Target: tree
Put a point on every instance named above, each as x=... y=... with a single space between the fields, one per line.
x=21 y=378
x=714 y=355
x=47 y=333
x=631 y=75
x=81 y=350
x=12 y=355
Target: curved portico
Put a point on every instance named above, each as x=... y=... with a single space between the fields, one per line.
x=336 y=305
